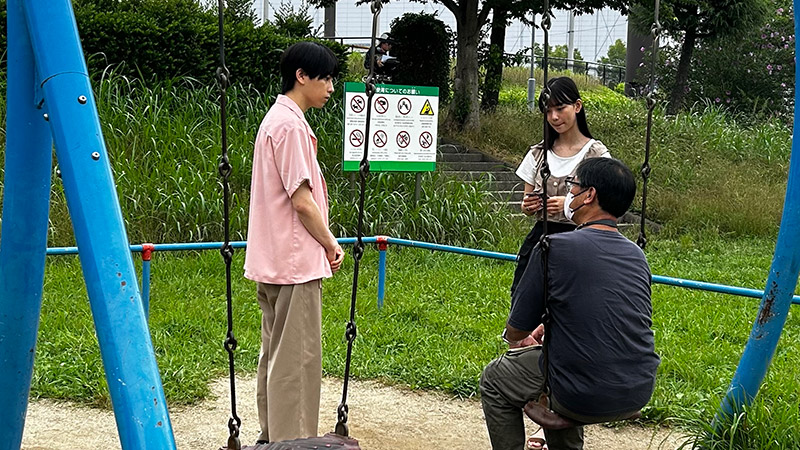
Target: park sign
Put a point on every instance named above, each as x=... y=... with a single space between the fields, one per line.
x=402 y=130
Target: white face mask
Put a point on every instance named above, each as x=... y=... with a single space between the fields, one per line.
x=568 y=211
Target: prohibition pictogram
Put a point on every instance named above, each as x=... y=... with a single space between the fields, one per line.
x=403 y=139
x=356 y=138
x=357 y=103
x=404 y=106
x=425 y=139
x=379 y=138
x=381 y=105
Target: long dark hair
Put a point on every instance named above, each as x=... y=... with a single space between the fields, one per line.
x=563 y=91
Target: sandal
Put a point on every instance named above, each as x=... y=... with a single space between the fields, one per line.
x=536 y=441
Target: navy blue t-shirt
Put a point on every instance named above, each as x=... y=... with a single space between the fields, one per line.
x=601 y=347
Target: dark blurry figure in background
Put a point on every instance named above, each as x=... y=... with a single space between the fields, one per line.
x=385 y=65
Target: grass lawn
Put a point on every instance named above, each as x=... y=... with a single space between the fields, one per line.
x=443 y=312
x=439 y=326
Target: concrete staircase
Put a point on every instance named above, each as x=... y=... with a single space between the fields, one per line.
x=471 y=165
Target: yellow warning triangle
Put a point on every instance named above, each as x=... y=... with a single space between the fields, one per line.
x=427 y=110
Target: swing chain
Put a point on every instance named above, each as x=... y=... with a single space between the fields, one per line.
x=358 y=249
x=225 y=170
x=655 y=32
x=544 y=240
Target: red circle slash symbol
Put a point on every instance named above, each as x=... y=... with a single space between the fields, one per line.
x=356 y=138
x=404 y=106
x=381 y=105
x=357 y=103
x=425 y=139
x=379 y=139
x=403 y=139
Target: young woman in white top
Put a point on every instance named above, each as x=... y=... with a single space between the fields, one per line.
x=570 y=143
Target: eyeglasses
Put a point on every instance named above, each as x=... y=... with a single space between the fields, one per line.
x=570 y=182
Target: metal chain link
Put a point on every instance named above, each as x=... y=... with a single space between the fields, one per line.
x=225 y=169
x=651 y=104
x=544 y=241
x=342 y=410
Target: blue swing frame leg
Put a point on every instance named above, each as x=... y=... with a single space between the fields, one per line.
x=130 y=366
x=781 y=283
x=28 y=161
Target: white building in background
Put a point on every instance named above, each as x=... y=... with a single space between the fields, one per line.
x=594 y=33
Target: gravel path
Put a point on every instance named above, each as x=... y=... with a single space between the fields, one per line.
x=381 y=418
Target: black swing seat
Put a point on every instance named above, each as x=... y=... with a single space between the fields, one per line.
x=551 y=420
x=329 y=441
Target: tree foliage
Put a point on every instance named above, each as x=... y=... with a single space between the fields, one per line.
x=760 y=83
x=616 y=54
x=493 y=58
x=240 y=11
x=692 y=22
x=293 y=23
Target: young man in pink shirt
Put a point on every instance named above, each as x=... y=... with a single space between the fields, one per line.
x=290 y=248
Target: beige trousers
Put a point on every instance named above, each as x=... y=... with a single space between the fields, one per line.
x=290 y=362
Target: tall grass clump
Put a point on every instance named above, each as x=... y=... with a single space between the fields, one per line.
x=163 y=144
x=163 y=141
x=449 y=211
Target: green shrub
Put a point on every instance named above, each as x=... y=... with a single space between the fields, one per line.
x=604 y=99
x=423 y=49
x=158 y=40
x=596 y=98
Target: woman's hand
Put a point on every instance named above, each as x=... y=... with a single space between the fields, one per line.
x=531 y=203
x=555 y=205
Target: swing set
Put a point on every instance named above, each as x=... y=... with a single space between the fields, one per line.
x=51 y=104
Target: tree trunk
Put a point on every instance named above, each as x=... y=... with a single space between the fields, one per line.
x=494 y=67
x=464 y=109
x=682 y=76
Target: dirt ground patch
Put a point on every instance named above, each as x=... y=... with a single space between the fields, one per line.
x=381 y=418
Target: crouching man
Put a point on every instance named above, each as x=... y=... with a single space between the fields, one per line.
x=601 y=353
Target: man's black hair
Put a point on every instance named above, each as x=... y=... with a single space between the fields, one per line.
x=613 y=181
x=563 y=91
x=315 y=59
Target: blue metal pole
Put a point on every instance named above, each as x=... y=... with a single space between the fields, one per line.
x=132 y=374
x=714 y=287
x=383 y=244
x=658 y=279
x=780 y=287
x=452 y=249
x=147 y=254
x=381 y=276
x=26 y=200
x=146 y=287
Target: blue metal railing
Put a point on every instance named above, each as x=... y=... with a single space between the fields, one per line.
x=383 y=242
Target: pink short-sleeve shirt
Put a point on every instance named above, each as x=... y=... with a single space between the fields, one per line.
x=279 y=248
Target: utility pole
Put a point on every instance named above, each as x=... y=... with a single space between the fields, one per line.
x=265 y=11
x=531 y=79
x=596 y=29
x=330 y=21
x=571 y=41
